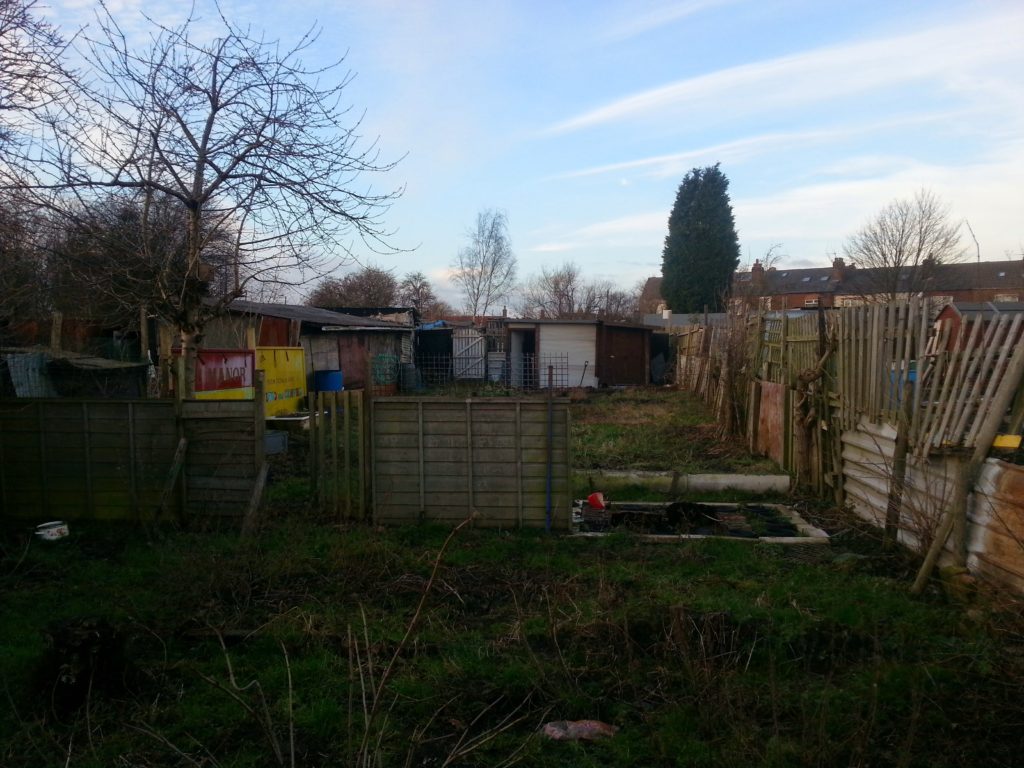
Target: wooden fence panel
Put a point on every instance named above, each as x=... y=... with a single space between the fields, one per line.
x=440 y=460
x=109 y=459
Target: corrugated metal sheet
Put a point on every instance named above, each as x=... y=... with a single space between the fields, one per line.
x=995 y=511
x=771 y=421
x=996 y=545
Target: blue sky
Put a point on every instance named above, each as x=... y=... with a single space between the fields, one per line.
x=579 y=119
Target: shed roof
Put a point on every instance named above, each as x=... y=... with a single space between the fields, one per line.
x=311 y=315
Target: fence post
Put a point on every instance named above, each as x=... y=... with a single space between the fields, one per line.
x=259 y=419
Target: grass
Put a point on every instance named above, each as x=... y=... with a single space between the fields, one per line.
x=711 y=653
x=654 y=429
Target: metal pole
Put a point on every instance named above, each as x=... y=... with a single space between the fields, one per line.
x=551 y=439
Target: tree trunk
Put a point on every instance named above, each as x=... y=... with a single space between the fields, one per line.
x=189 y=354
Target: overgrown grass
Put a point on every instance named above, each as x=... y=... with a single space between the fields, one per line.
x=654 y=429
x=712 y=653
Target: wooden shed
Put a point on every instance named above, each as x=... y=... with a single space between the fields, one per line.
x=357 y=346
x=583 y=353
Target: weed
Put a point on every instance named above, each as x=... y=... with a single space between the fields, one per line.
x=367 y=644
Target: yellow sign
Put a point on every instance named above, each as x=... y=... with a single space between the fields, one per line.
x=284 y=378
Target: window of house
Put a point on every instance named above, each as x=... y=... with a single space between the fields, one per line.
x=1002 y=298
x=805 y=280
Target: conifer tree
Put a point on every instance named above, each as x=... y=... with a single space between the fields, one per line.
x=701 y=250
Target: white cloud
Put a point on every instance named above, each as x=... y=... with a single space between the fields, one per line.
x=733 y=152
x=952 y=55
x=660 y=16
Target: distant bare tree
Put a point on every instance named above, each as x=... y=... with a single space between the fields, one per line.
x=564 y=293
x=240 y=136
x=369 y=287
x=485 y=270
x=23 y=294
x=416 y=291
x=896 y=251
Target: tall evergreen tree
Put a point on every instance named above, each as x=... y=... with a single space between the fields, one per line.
x=701 y=250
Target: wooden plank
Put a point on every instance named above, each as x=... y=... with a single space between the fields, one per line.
x=967 y=402
x=177 y=463
x=999 y=370
x=224 y=483
x=957 y=377
x=251 y=514
x=410 y=456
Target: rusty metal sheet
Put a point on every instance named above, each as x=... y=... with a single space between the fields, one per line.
x=771 y=421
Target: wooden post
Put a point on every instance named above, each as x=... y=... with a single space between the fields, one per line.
x=364 y=417
x=550 y=453
x=251 y=517
x=519 y=463
x=259 y=418
x=347 y=429
x=314 y=466
x=90 y=494
x=469 y=455
x=322 y=476
x=133 y=484
x=143 y=335
x=420 y=450
x=335 y=484
x=56 y=331
x=898 y=473
x=177 y=464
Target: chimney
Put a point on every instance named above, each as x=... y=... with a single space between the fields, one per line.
x=838 y=269
x=757 y=273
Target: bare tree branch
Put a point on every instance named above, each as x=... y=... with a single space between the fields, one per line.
x=485 y=270
x=896 y=251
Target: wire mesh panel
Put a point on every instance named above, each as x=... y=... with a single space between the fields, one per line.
x=439 y=374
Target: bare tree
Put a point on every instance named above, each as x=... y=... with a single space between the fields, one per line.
x=241 y=137
x=896 y=251
x=416 y=291
x=369 y=287
x=32 y=73
x=23 y=295
x=564 y=293
x=485 y=270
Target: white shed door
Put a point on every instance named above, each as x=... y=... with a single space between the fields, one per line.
x=575 y=343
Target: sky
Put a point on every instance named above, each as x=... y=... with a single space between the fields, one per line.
x=580 y=118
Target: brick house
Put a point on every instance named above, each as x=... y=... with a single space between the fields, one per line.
x=843 y=285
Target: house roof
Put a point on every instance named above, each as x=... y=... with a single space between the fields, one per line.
x=311 y=315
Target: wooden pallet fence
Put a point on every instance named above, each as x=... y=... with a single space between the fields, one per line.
x=338 y=447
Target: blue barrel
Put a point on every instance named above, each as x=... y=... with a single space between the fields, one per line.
x=328 y=381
